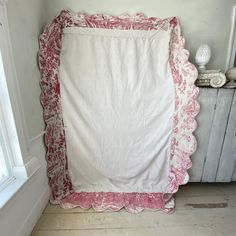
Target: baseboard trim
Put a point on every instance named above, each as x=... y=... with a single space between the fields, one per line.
x=34 y=214
x=32 y=166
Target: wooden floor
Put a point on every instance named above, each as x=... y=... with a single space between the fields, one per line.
x=201 y=210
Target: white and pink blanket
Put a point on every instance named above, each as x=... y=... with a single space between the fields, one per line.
x=119 y=105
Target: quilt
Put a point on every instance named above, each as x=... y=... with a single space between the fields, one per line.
x=119 y=105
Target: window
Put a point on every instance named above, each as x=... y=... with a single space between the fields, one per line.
x=8 y=136
x=16 y=163
x=231 y=56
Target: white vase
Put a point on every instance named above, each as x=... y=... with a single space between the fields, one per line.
x=231 y=74
x=203 y=56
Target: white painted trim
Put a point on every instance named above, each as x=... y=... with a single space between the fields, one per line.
x=21 y=174
x=32 y=166
x=37 y=137
x=232 y=43
x=24 y=165
x=34 y=214
x=13 y=86
x=7 y=194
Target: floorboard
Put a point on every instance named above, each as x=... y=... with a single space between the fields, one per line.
x=201 y=209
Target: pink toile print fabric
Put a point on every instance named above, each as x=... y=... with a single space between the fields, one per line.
x=119 y=106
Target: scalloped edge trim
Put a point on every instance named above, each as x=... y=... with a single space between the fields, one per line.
x=183 y=143
x=110 y=201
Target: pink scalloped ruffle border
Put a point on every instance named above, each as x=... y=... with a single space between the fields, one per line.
x=186 y=108
x=110 y=201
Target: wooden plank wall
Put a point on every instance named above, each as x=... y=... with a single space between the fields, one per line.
x=215 y=158
x=207 y=100
x=227 y=162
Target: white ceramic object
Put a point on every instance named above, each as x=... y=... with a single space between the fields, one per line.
x=203 y=56
x=231 y=74
x=211 y=78
x=218 y=80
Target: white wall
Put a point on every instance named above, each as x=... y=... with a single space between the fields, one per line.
x=26 y=20
x=203 y=21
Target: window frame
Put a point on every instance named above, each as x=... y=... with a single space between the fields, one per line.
x=231 y=54
x=23 y=164
x=8 y=135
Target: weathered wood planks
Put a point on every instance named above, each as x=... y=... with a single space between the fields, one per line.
x=215 y=158
x=216 y=141
x=207 y=100
x=187 y=220
x=227 y=163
